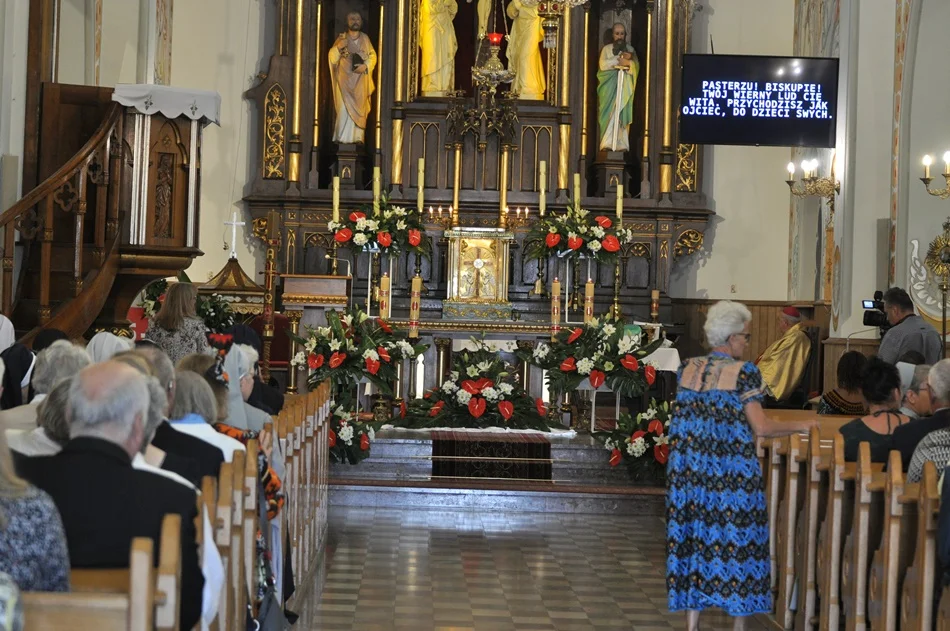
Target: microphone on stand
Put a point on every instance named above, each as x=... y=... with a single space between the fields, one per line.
x=349 y=272
x=847 y=345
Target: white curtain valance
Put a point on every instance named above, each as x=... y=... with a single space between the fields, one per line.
x=169 y=101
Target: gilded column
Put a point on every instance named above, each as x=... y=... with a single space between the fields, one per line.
x=443 y=358
x=503 y=189
x=457 y=185
x=667 y=152
x=645 y=157
x=294 y=317
x=379 y=80
x=564 y=123
x=318 y=56
x=584 y=93
x=399 y=96
x=272 y=244
x=293 y=174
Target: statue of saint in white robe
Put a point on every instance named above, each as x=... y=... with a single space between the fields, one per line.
x=438 y=46
x=352 y=60
x=524 y=56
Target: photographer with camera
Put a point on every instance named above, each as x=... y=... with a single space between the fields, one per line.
x=908 y=332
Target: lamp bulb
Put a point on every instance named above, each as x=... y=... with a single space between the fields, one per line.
x=946 y=157
x=791 y=168
x=805 y=164
x=927 y=161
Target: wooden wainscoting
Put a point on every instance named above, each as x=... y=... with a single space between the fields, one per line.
x=691 y=313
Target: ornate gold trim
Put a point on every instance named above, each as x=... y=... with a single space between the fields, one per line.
x=687 y=167
x=478 y=327
x=688 y=242
x=275 y=120
x=299 y=299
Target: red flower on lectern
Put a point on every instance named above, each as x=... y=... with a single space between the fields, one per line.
x=597 y=378
x=630 y=363
x=650 y=373
x=343 y=235
x=385 y=239
x=336 y=359
x=661 y=453
x=364 y=442
x=384 y=325
x=403 y=408
x=616 y=457
x=576 y=333
x=436 y=408
x=476 y=406
x=356 y=216
x=603 y=222
x=538 y=403
x=568 y=365
x=610 y=243
x=506 y=409
x=383 y=354
x=314 y=361
x=372 y=365
x=552 y=239
x=656 y=427
x=331 y=438
x=415 y=237
x=575 y=243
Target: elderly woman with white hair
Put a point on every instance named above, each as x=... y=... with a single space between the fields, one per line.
x=717 y=519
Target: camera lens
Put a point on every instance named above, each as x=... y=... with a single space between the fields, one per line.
x=875 y=318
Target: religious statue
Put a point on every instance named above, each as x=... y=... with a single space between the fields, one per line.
x=483 y=9
x=524 y=56
x=438 y=43
x=352 y=59
x=616 y=83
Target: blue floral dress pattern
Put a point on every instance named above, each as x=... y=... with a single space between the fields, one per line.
x=717 y=519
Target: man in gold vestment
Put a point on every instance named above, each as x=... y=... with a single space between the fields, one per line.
x=524 y=56
x=783 y=362
x=438 y=45
x=352 y=59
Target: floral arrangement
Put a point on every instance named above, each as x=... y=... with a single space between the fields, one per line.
x=215 y=312
x=481 y=391
x=602 y=351
x=153 y=296
x=576 y=233
x=392 y=230
x=352 y=347
x=349 y=438
x=642 y=443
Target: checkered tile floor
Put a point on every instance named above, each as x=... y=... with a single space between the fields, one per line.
x=463 y=571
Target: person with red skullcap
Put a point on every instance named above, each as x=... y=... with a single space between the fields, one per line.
x=783 y=362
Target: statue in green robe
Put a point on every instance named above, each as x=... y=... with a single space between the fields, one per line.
x=616 y=83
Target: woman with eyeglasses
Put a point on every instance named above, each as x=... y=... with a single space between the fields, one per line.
x=716 y=515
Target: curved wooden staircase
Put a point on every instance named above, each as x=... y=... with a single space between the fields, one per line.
x=68 y=261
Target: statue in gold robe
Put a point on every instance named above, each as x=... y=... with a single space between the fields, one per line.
x=438 y=46
x=616 y=83
x=352 y=60
x=524 y=56
x=783 y=363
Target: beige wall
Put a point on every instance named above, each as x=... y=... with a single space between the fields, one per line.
x=747 y=245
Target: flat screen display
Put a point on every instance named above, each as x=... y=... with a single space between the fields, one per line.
x=754 y=100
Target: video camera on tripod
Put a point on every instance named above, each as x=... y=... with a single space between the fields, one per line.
x=874 y=313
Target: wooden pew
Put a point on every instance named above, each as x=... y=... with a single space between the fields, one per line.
x=815 y=496
x=236 y=577
x=129 y=609
x=792 y=451
x=222 y=536
x=207 y=510
x=251 y=518
x=916 y=610
x=831 y=536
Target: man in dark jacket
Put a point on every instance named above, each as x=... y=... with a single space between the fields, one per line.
x=103 y=501
x=908 y=436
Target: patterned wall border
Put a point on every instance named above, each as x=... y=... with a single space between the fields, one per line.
x=901 y=30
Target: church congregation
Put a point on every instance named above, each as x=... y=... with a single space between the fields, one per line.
x=482 y=315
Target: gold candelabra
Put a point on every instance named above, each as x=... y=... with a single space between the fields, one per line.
x=813 y=186
x=441 y=218
x=516 y=219
x=938 y=261
x=942 y=193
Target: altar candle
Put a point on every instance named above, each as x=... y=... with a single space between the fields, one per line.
x=377 y=182
x=589 y=301
x=620 y=204
x=415 y=306
x=542 y=183
x=577 y=189
x=421 y=183
x=655 y=304
x=555 y=307
x=336 y=198
x=384 y=287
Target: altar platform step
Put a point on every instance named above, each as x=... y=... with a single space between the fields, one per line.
x=398 y=474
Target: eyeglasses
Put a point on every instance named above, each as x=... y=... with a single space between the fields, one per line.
x=746 y=336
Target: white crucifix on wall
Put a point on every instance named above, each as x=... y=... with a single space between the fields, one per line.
x=234 y=223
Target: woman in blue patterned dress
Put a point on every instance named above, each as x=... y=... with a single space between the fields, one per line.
x=716 y=516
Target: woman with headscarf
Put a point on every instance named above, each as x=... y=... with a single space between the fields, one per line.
x=7 y=333
x=18 y=361
x=104 y=346
x=264 y=396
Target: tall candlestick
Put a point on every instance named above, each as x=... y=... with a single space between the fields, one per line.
x=421 y=183
x=415 y=306
x=542 y=184
x=577 y=189
x=555 y=307
x=384 y=287
x=377 y=183
x=589 y=301
x=655 y=304
x=336 y=198
x=620 y=204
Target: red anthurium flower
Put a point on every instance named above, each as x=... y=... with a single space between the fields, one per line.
x=403 y=408
x=471 y=387
x=384 y=325
x=616 y=457
x=372 y=365
x=603 y=222
x=575 y=243
x=383 y=354
x=568 y=365
x=384 y=238
x=332 y=438
x=650 y=373
x=637 y=434
x=661 y=453
x=538 y=403
x=364 y=442
x=506 y=409
x=356 y=216
x=597 y=378
x=415 y=237
x=630 y=363
x=161 y=298
x=484 y=382
x=655 y=427
x=343 y=235
x=336 y=359
x=314 y=361
x=576 y=333
x=436 y=408
x=476 y=406
x=552 y=239
x=610 y=243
